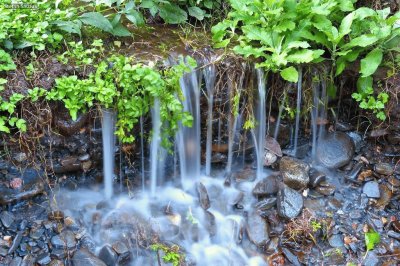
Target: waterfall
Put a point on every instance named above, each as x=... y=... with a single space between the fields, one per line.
x=108 y=128
x=142 y=152
x=155 y=147
x=188 y=138
x=261 y=118
x=298 y=109
x=209 y=77
x=322 y=115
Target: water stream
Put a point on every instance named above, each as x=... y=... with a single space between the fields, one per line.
x=298 y=111
x=108 y=128
x=261 y=120
x=155 y=147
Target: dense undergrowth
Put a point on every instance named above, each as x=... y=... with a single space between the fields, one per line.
x=281 y=36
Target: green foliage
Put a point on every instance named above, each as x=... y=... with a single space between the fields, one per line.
x=171 y=254
x=80 y=56
x=6 y=62
x=315 y=225
x=32 y=27
x=9 y=107
x=372 y=238
x=129 y=88
x=283 y=34
x=365 y=96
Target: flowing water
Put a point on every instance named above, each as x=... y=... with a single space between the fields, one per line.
x=155 y=147
x=298 y=111
x=261 y=120
x=108 y=128
x=188 y=138
x=209 y=72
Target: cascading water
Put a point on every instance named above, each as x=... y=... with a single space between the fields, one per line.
x=278 y=121
x=188 y=138
x=298 y=109
x=108 y=128
x=142 y=153
x=314 y=117
x=261 y=119
x=209 y=72
x=155 y=147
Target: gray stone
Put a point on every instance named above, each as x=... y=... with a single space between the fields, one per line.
x=316 y=177
x=294 y=172
x=84 y=257
x=394 y=235
x=16 y=261
x=289 y=202
x=32 y=185
x=108 y=255
x=16 y=242
x=336 y=241
x=120 y=248
x=7 y=218
x=384 y=168
x=64 y=240
x=203 y=196
x=267 y=186
x=371 y=189
x=257 y=229
x=265 y=204
x=335 y=150
x=28 y=260
x=371 y=259
x=43 y=259
x=357 y=140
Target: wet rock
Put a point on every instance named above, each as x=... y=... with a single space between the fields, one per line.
x=343 y=126
x=108 y=255
x=357 y=140
x=56 y=263
x=3 y=252
x=371 y=259
x=58 y=253
x=56 y=216
x=267 y=186
x=85 y=257
x=28 y=260
x=384 y=168
x=291 y=257
x=66 y=125
x=371 y=189
x=65 y=240
x=246 y=174
x=257 y=229
x=335 y=150
x=289 y=202
x=394 y=235
x=316 y=177
x=265 y=204
x=336 y=241
x=15 y=243
x=203 y=196
x=294 y=172
x=43 y=259
x=16 y=261
x=120 y=247
x=353 y=174
x=269 y=158
x=394 y=181
x=326 y=190
x=6 y=218
x=218 y=158
x=32 y=185
x=385 y=196
x=273 y=146
x=378 y=133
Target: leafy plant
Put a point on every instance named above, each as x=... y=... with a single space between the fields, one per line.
x=284 y=34
x=171 y=254
x=372 y=238
x=6 y=62
x=79 y=55
x=9 y=107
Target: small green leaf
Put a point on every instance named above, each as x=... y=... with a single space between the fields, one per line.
x=372 y=238
x=196 y=12
x=290 y=74
x=172 y=13
x=371 y=62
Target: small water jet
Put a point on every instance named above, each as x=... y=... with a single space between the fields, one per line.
x=261 y=119
x=155 y=147
x=108 y=128
x=298 y=110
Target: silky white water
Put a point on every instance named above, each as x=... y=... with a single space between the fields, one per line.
x=108 y=128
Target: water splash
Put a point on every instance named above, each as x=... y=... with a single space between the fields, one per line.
x=209 y=72
x=142 y=168
x=261 y=118
x=108 y=128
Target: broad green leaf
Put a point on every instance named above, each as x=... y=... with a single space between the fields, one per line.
x=364 y=84
x=362 y=41
x=363 y=12
x=371 y=62
x=97 y=20
x=298 y=44
x=346 y=5
x=248 y=50
x=120 y=31
x=304 y=56
x=135 y=17
x=340 y=65
x=290 y=74
x=196 y=12
x=172 y=13
x=284 y=26
x=345 y=26
x=372 y=238
x=257 y=34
